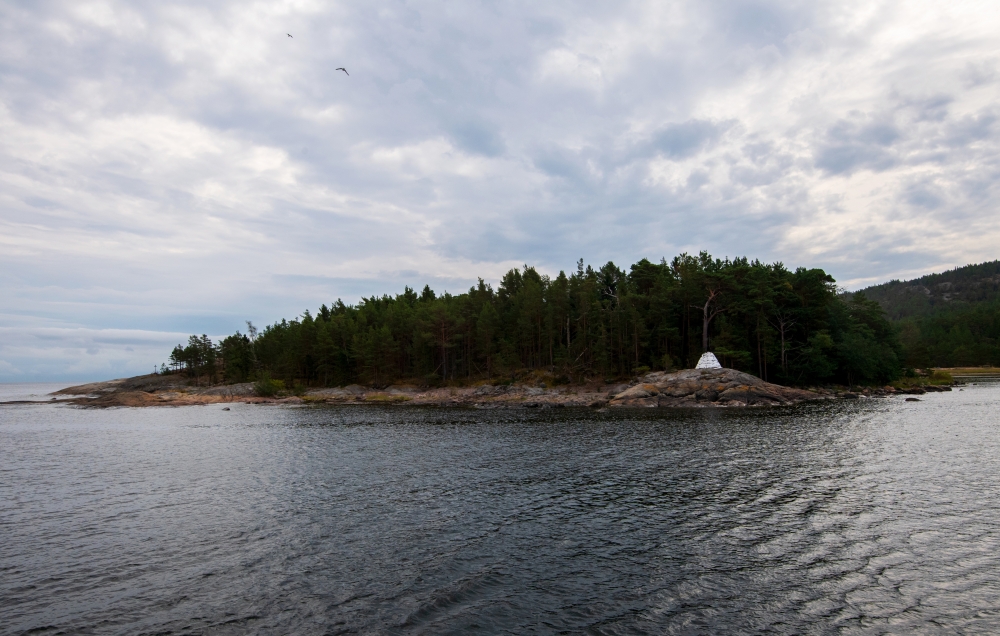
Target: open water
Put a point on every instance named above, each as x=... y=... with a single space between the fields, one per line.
x=871 y=516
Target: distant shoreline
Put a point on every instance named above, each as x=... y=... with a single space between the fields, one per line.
x=971 y=371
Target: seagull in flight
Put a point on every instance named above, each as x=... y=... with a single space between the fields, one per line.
x=289 y=35
x=342 y=69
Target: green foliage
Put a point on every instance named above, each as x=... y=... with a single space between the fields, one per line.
x=914 y=379
x=941 y=377
x=606 y=322
x=950 y=319
x=959 y=288
x=265 y=386
x=197 y=359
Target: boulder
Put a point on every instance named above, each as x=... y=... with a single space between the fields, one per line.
x=638 y=391
x=710 y=386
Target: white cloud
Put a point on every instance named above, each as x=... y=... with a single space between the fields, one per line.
x=29 y=353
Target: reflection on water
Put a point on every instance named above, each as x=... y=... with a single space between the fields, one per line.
x=870 y=516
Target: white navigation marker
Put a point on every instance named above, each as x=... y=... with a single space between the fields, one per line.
x=708 y=361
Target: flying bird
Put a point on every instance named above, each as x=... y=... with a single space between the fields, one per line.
x=342 y=69
x=289 y=35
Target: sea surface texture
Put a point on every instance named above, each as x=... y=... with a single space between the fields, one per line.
x=867 y=516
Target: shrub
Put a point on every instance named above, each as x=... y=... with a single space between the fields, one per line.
x=432 y=380
x=266 y=387
x=941 y=377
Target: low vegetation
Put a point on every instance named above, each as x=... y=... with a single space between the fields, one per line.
x=265 y=386
x=913 y=378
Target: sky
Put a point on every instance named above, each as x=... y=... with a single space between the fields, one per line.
x=175 y=168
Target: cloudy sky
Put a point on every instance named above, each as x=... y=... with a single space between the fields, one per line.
x=169 y=168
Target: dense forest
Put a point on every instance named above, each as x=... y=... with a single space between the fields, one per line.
x=949 y=319
x=785 y=326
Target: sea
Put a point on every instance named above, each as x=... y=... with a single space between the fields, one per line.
x=870 y=516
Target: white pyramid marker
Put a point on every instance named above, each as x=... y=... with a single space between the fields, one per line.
x=708 y=361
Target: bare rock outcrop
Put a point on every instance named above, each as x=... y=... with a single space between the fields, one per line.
x=689 y=388
x=707 y=387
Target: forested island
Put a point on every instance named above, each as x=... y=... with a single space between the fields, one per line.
x=791 y=327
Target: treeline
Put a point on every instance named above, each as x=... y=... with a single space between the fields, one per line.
x=199 y=359
x=958 y=336
x=784 y=326
x=951 y=319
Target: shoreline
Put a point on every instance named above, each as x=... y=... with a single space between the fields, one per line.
x=690 y=388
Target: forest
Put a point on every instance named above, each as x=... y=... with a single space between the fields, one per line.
x=789 y=327
x=950 y=319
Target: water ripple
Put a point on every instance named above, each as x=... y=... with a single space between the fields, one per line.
x=869 y=517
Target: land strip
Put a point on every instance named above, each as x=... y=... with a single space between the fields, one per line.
x=693 y=388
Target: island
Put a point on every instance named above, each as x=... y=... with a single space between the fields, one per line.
x=709 y=385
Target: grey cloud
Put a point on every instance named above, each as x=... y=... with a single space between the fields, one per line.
x=761 y=23
x=979 y=72
x=972 y=128
x=183 y=166
x=562 y=162
x=478 y=138
x=674 y=141
x=39 y=202
x=858 y=144
x=843 y=158
x=686 y=138
x=924 y=197
x=933 y=108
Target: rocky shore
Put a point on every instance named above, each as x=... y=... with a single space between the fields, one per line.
x=693 y=388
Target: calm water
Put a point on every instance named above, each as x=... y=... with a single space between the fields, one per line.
x=874 y=516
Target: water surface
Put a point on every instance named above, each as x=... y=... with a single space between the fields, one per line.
x=872 y=516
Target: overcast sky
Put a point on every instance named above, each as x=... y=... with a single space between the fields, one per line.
x=169 y=168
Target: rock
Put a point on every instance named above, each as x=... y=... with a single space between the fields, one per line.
x=231 y=390
x=693 y=387
x=707 y=395
x=646 y=402
x=638 y=391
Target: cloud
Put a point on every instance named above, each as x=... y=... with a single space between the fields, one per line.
x=67 y=354
x=179 y=167
x=684 y=139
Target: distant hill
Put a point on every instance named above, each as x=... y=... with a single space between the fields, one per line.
x=948 y=319
x=963 y=286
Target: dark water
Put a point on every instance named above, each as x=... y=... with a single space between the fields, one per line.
x=874 y=516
